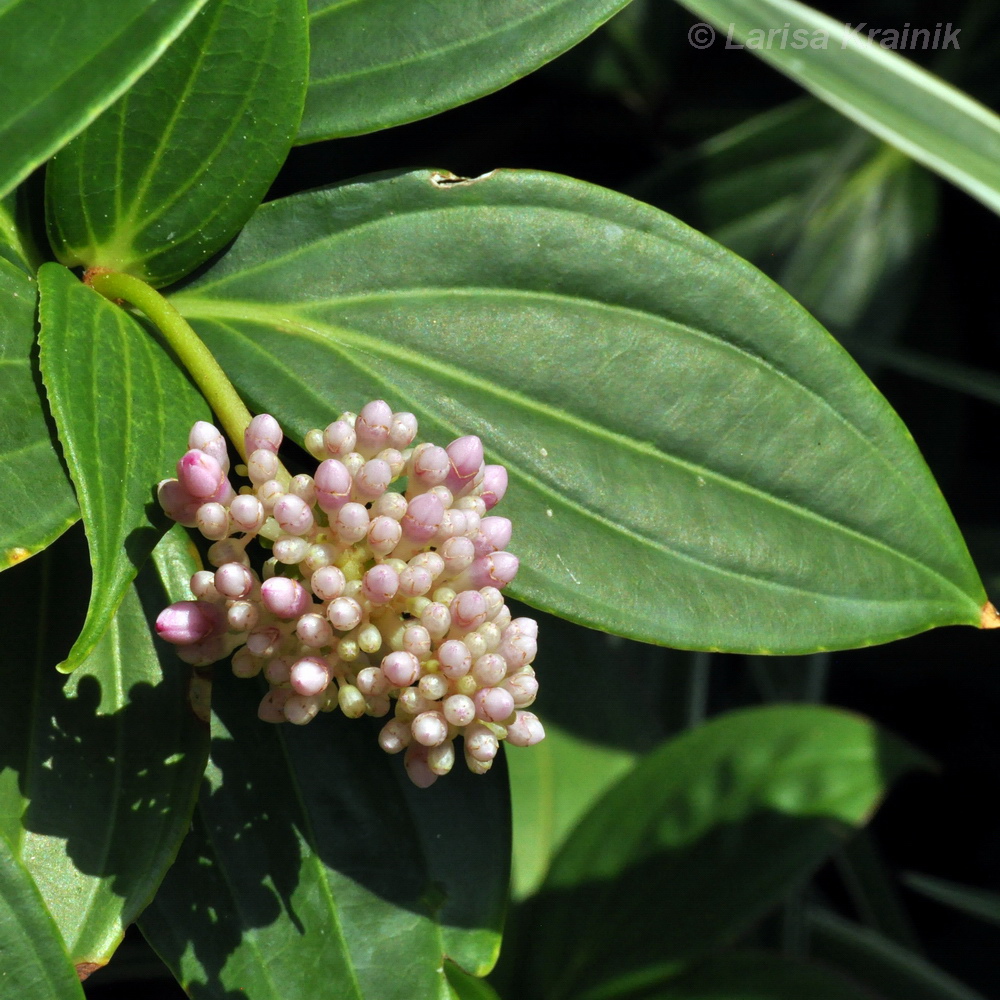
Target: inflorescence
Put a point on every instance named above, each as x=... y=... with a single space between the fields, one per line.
x=372 y=601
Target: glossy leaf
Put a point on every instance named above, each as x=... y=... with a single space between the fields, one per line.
x=751 y=492
x=386 y=62
x=893 y=972
x=552 y=785
x=698 y=841
x=37 y=503
x=758 y=975
x=123 y=410
x=892 y=97
x=35 y=964
x=170 y=172
x=98 y=772
x=965 y=898
x=466 y=987
x=63 y=64
x=837 y=218
x=311 y=850
x=14 y=246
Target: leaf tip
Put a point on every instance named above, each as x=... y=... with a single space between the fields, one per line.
x=84 y=969
x=989 y=618
x=16 y=555
x=445 y=179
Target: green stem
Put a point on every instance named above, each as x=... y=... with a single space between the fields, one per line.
x=187 y=345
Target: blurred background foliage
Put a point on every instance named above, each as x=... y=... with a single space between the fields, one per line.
x=900 y=266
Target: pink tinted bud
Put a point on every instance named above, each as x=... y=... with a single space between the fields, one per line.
x=494 y=485
x=177 y=503
x=526 y=730
x=429 y=466
x=417 y=640
x=372 y=427
x=493 y=704
x=517 y=649
x=199 y=474
x=458 y=554
x=263 y=433
x=466 y=457
x=429 y=729
x=264 y=640
x=480 y=743
x=436 y=618
x=262 y=465
x=495 y=570
x=401 y=669
x=417 y=767
x=373 y=479
x=489 y=670
x=201 y=654
x=468 y=610
x=333 y=485
x=494 y=601
x=372 y=682
x=402 y=430
x=213 y=521
x=493 y=536
x=303 y=486
x=293 y=515
x=395 y=736
x=339 y=438
x=455 y=658
x=245 y=664
x=309 y=675
x=247 y=513
x=351 y=523
x=284 y=597
x=188 y=622
x=203 y=585
x=526 y=626
x=441 y=759
x=459 y=709
x=383 y=535
x=278 y=670
x=314 y=631
x=242 y=615
x=389 y=505
x=328 y=583
x=233 y=580
x=523 y=689
x=344 y=613
x=207 y=438
x=380 y=584
x=423 y=517
x=271 y=708
x=415 y=581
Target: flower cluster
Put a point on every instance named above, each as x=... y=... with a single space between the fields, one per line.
x=373 y=601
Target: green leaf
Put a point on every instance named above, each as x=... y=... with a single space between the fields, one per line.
x=37 y=502
x=751 y=492
x=552 y=785
x=698 y=841
x=892 y=97
x=169 y=173
x=466 y=987
x=123 y=409
x=386 y=62
x=98 y=772
x=894 y=972
x=35 y=964
x=757 y=975
x=312 y=850
x=965 y=898
x=15 y=244
x=834 y=216
x=63 y=64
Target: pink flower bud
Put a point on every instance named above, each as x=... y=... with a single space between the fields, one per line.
x=489 y=670
x=234 y=580
x=436 y=618
x=441 y=759
x=495 y=570
x=293 y=515
x=523 y=688
x=383 y=535
x=525 y=731
x=401 y=669
x=415 y=581
x=372 y=427
x=494 y=485
x=429 y=466
x=314 y=631
x=339 y=438
x=264 y=640
x=459 y=709
x=395 y=736
x=372 y=480
x=333 y=485
x=262 y=465
x=372 y=682
x=272 y=705
x=466 y=457
x=494 y=535
x=402 y=430
x=177 y=503
x=213 y=521
x=201 y=654
x=380 y=584
x=493 y=704
x=458 y=554
x=517 y=649
x=263 y=433
x=207 y=438
x=429 y=729
x=455 y=658
x=242 y=616
x=417 y=768
x=310 y=675
x=199 y=474
x=301 y=709
x=278 y=670
x=247 y=513
x=389 y=505
x=351 y=523
x=417 y=640
x=344 y=613
x=480 y=743
x=468 y=610
x=328 y=583
x=305 y=487
x=188 y=622
x=284 y=597
x=422 y=518
x=203 y=585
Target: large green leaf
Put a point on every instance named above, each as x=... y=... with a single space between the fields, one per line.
x=98 y=772
x=123 y=409
x=834 y=216
x=893 y=972
x=751 y=491
x=908 y=107
x=35 y=964
x=169 y=173
x=757 y=975
x=314 y=864
x=965 y=898
x=698 y=841
x=64 y=63
x=37 y=502
x=385 y=62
